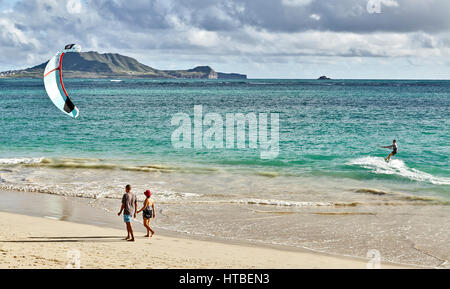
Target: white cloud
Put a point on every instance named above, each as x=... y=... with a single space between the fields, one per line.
x=315 y=17
x=203 y=38
x=11 y=36
x=74 y=6
x=390 y=3
x=296 y=2
x=164 y=33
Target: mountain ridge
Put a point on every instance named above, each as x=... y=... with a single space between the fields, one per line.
x=92 y=64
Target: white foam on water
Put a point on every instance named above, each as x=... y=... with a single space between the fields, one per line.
x=167 y=195
x=397 y=167
x=281 y=203
x=96 y=193
x=18 y=161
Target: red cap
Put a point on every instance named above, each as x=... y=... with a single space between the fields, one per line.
x=147 y=193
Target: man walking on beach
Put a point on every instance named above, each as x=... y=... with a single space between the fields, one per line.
x=129 y=208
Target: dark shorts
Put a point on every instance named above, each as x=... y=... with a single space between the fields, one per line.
x=394 y=152
x=147 y=216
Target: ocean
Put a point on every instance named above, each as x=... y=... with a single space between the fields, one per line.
x=328 y=189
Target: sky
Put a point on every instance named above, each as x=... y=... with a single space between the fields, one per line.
x=370 y=39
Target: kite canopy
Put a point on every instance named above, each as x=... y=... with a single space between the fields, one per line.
x=54 y=85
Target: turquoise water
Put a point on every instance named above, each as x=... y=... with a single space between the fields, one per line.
x=324 y=126
x=329 y=188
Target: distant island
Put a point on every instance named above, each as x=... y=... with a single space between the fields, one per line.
x=323 y=77
x=110 y=65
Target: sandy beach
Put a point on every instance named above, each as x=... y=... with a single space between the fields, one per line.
x=34 y=242
x=279 y=135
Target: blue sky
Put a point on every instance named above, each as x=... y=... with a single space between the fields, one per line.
x=408 y=39
x=7 y=4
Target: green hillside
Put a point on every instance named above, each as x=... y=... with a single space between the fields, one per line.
x=110 y=65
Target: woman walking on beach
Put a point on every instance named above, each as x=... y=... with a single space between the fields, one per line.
x=148 y=212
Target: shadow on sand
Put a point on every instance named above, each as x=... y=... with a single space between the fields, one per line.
x=66 y=239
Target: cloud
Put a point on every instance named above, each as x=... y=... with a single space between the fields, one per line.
x=296 y=2
x=74 y=6
x=315 y=17
x=158 y=32
x=389 y=3
x=12 y=35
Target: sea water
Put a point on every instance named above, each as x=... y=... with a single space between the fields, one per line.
x=328 y=186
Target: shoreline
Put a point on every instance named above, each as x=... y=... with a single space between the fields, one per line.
x=35 y=242
x=53 y=223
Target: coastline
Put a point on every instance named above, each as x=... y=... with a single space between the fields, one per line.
x=34 y=242
x=322 y=144
x=44 y=242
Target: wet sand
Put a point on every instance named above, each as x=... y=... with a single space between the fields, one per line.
x=61 y=229
x=33 y=242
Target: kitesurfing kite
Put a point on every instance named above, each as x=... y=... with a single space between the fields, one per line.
x=54 y=85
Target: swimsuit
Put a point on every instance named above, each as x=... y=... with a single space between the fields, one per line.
x=147 y=213
x=127 y=218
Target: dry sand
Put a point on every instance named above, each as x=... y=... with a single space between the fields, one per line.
x=33 y=242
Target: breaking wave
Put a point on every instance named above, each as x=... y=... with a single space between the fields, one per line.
x=397 y=167
x=281 y=203
x=20 y=161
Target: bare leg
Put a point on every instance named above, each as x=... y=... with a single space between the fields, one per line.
x=146 y=221
x=389 y=157
x=153 y=232
x=130 y=230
